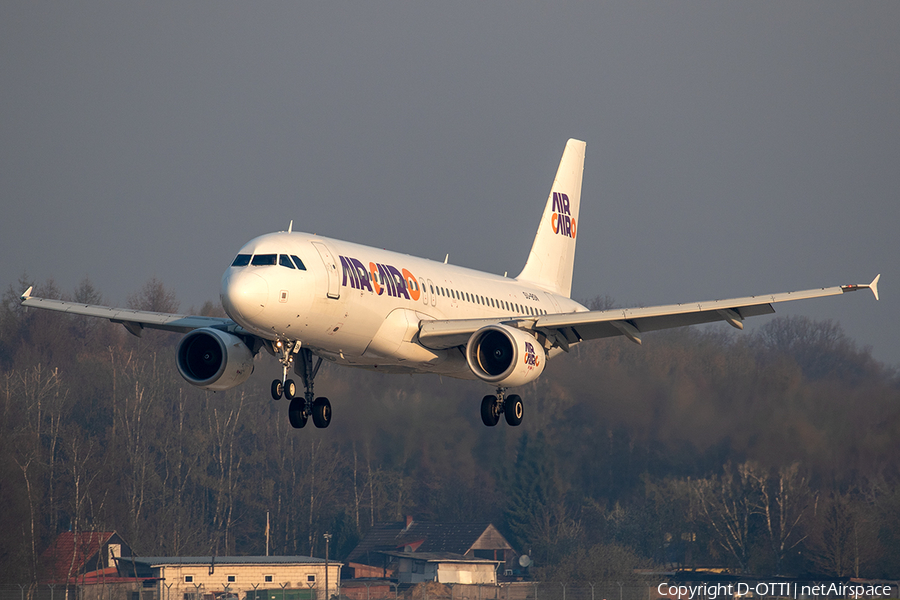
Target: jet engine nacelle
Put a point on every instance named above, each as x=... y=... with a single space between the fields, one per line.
x=505 y=356
x=213 y=359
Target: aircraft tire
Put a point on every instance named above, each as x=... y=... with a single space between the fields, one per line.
x=514 y=409
x=490 y=416
x=290 y=389
x=296 y=413
x=277 y=390
x=321 y=413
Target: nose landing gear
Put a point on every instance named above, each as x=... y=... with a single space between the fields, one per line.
x=510 y=407
x=300 y=409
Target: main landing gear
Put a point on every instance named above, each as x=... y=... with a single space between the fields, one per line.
x=301 y=408
x=510 y=407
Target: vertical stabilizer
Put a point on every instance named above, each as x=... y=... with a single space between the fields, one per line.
x=552 y=256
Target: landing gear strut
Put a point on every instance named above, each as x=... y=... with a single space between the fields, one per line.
x=509 y=406
x=301 y=408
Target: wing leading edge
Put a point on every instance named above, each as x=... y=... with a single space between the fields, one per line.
x=567 y=328
x=133 y=320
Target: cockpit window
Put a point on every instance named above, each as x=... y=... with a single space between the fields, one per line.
x=242 y=260
x=285 y=261
x=299 y=263
x=262 y=260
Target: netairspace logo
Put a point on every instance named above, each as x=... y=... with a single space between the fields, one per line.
x=778 y=589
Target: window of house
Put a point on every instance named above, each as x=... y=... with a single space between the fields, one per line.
x=310 y=578
x=269 y=578
x=231 y=579
x=189 y=579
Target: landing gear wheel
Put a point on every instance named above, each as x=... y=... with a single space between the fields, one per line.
x=277 y=390
x=290 y=389
x=297 y=413
x=321 y=412
x=490 y=411
x=513 y=410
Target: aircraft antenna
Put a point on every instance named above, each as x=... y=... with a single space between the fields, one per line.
x=446 y=258
x=291 y=226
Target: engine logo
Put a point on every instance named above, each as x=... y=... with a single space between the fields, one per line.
x=530 y=355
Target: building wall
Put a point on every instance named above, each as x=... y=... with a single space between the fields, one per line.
x=466 y=573
x=175 y=586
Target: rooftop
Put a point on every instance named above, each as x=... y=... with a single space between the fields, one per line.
x=229 y=560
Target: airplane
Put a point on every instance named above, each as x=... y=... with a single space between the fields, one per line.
x=303 y=298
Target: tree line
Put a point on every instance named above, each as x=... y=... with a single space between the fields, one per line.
x=770 y=452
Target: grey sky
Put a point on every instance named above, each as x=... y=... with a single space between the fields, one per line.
x=733 y=148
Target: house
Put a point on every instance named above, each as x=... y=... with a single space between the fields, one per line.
x=384 y=544
x=83 y=565
x=75 y=556
x=238 y=577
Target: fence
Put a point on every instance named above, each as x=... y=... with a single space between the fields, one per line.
x=382 y=590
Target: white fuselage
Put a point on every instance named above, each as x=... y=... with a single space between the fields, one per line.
x=362 y=306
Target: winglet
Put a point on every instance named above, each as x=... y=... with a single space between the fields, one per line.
x=27 y=293
x=859 y=286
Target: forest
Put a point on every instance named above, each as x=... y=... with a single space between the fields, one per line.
x=768 y=451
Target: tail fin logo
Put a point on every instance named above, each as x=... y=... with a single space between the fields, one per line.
x=561 y=220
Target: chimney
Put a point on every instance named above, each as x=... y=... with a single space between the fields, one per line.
x=409 y=521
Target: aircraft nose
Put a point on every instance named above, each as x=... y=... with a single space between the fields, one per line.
x=244 y=294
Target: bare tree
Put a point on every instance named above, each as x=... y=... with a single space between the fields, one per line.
x=726 y=504
x=833 y=548
x=782 y=500
x=223 y=426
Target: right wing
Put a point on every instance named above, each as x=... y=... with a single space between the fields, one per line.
x=133 y=320
x=564 y=329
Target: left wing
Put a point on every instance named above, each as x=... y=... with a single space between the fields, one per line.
x=133 y=320
x=568 y=328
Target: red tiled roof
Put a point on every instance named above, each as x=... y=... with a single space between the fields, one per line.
x=57 y=560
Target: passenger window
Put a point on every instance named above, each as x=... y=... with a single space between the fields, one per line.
x=242 y=260
x=299 y=263
x=285 y=261
x=263 y=260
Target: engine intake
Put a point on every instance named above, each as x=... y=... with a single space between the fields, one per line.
x=213 y=359
x=504 y=355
